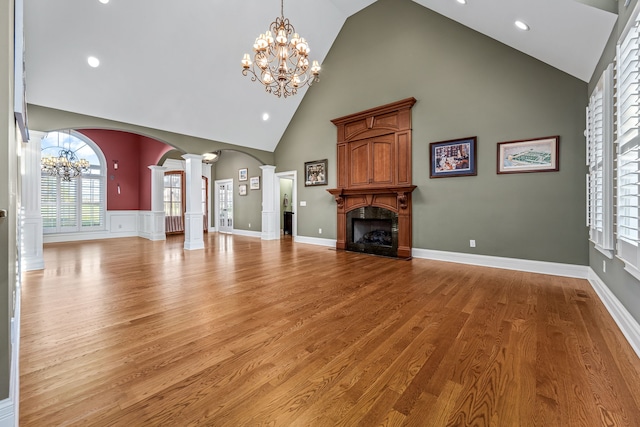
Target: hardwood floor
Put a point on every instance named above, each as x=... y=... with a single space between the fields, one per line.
x=129 y=332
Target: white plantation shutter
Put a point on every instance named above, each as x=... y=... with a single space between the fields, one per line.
x=78 y=205
x=599 y=136
x=627 y=145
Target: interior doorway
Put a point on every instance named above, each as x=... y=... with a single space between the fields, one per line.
x=286 y=197
x=224 y=205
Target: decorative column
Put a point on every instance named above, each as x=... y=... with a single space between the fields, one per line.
x=32 y=249
x=154 y=226
x=193 y=233
x=270 y=220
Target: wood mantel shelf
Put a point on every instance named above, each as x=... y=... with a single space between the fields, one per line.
x=371 y=197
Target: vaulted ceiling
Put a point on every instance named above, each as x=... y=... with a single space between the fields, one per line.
x=175 y=65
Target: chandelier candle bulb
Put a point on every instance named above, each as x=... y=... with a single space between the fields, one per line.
x=281 y=64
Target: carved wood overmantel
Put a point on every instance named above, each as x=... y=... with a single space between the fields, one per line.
x=374 y=166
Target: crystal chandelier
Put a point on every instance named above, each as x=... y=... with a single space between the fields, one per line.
x=66 y=165
x=281 y=64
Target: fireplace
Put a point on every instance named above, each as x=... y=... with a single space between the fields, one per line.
x=373 y=195
x=372 y=230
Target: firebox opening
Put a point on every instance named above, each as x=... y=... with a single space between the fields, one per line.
x=372 y=230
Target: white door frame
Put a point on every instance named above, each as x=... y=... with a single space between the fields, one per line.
x=216 y=201
x=293 y=176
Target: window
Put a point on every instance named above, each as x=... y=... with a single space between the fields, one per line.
x=78 y=205
x=627 y=145
x=174 y=203
x=599 y=135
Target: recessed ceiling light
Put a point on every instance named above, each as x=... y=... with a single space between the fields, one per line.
x=265 y=116
x=462 y=1
x=104 y=1
x=93 y=61
x=522 y=26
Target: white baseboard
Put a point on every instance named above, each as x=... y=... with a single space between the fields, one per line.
x=542 y=267
x=247 y=233
x=315 y=241
x=625 y=321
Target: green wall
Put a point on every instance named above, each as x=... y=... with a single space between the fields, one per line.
x=465 y=84
x=623 y=285
x=8 y=178
x=247 y=210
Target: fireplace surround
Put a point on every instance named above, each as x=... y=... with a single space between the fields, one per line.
x=374 y=179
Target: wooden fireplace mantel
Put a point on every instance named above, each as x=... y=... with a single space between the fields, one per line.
x=374 y=167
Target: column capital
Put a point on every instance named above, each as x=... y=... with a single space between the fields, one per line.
x=268 y=167
x=198 y=157
x=157 y=168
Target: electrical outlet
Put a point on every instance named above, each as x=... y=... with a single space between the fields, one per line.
x=472 y=243
x=319 y=230
x=604 y=266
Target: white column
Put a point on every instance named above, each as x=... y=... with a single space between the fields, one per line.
x=153 y=224
x=270 y=220
x=32 y=249
x=193 y=233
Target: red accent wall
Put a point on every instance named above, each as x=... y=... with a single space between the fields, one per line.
x=151 y=151
x=134 y=153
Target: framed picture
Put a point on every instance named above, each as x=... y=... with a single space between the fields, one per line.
x=315 y=173
x=456 y=157
x=254 y=183
x=531 y=155
x=242 y=174
x=242 y=189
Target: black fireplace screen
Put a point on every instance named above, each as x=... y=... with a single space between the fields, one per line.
x=372 y=230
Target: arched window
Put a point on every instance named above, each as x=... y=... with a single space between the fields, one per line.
x=77 y=205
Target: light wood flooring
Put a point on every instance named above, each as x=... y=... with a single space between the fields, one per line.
x=129 y=332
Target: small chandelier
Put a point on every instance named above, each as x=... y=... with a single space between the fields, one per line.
x=66 y=165
x=281 y=64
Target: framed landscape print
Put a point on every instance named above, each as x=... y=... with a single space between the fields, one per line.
x=254 y=183
x=456 y=157
x=242 y=174
x=315 y=173
x=242 y=189
x=531 y=155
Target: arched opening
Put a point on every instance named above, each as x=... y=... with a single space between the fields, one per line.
x=78 y=204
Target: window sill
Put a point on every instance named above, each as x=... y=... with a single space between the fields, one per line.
x=606 y=252
x=632 y=270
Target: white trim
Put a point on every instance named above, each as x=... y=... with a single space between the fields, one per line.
x=627 y=324
x=315 y=241
x=631 y=269
x=146 y=224
x=293 y=176
x=8 y=413
x=9 y=407
x=247 y=233
x=543 y=267
x=606 y=252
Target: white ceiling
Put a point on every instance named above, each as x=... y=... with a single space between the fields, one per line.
x=175 y=65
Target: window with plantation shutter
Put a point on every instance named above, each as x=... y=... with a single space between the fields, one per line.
x=599 y=137
x=627 y=143
x=78 y=205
